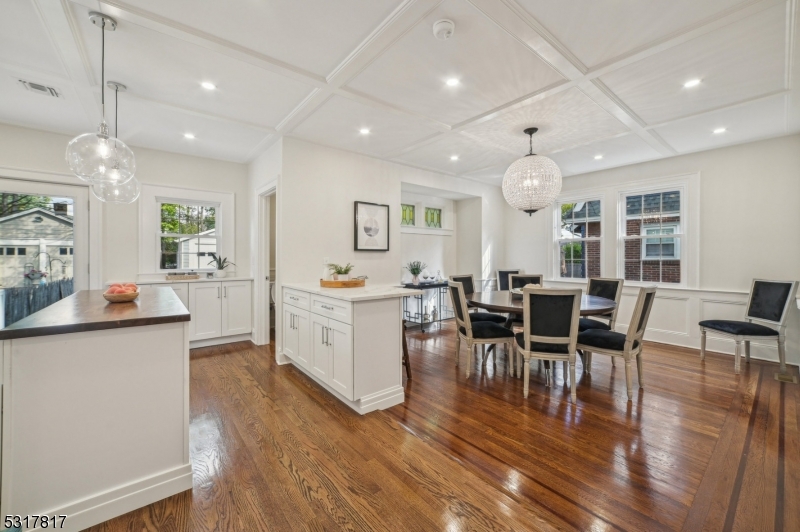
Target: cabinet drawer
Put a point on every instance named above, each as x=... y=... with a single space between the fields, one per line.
x=296 y=298
x=335 y=309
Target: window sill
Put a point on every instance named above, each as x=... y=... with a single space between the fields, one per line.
x=413 y=230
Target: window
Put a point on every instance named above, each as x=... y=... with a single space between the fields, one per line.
x=21 y=251
x=188 y=238
x=578 y=240
x=62 y=251
x=649 y=254
x=433 y=217
x=408 y=214
x=10 y=251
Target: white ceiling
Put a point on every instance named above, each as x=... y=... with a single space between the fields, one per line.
x=597 y=78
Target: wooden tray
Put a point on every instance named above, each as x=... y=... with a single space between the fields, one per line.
x=352 y=283
x=181 y=277
x=121 y=298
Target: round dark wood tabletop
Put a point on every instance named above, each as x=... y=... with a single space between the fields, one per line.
x=501 y=301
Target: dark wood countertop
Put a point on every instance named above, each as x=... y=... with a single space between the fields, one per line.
x=87 y=310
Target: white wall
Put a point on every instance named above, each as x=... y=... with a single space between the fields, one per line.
x=436 y=248
x=748 y=223
x=468 y=236
x=28 y=149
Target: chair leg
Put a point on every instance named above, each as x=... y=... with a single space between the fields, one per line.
x=526 y=377
x=573 y=391
x=406 y=361
x=469 y=356
x=458 y=346
x=548 y=367
x=628 y=380
x=703 y=343
x=588 y=362
x=747 y=351
x=564 y=365
x=483 y=354
x=782 y=352
x=613 y=362
x=737 y=355
x=640 y=367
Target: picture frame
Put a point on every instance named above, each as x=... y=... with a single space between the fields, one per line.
x=371 y=226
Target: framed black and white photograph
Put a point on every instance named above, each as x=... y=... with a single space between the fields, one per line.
x=371 y=227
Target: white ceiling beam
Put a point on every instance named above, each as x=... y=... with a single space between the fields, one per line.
x=62 y=29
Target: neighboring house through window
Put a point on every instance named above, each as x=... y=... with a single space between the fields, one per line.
x=578 y=240
x=652 y=236
x=188 y=237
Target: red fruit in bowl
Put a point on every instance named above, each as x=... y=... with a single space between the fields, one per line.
x=114 y=285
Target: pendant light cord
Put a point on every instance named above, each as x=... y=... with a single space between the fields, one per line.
x=103 y=67
x=116 y=112
x=530 y=140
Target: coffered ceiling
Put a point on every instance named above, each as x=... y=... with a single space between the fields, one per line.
x=603 y=81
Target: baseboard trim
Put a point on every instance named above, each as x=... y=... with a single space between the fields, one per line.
x=221 y=340
x=369 y=403
x=107 y=505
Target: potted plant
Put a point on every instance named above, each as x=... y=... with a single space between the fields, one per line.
x=220 y=263
x=343 y=271
x=35 y=275
x=415 y=268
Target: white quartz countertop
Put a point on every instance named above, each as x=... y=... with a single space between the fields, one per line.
x=378 y=291
x=202 y=279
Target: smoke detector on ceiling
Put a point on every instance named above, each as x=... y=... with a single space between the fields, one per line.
x=443 y=29
x=38 y=88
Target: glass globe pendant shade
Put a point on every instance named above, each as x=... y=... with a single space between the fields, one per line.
x=99 y=158
x=124 y=193
x=532 y=183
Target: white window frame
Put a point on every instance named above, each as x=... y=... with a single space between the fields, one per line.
x=172 y=201
x=688 y=237
x=675 y=226
x=558 y=240
x=150 y=201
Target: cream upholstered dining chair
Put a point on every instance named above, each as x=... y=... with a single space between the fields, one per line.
x=609 y=289
x=550 y=331
x=468 y=282
x=627 y=346
x=769 y=304
x=502 y=278
x=476 y=333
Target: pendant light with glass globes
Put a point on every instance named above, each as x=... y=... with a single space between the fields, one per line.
x=533 y=182
x=98 y=157
x=111 y=192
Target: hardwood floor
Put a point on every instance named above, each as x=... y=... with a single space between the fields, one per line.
x=698 y=449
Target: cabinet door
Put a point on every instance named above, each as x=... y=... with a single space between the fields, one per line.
x=289 y=336
x=340 y=374
x=182 y=291
x=319 y=350
x=303 y=325
x=237 y=303
x=206 y=309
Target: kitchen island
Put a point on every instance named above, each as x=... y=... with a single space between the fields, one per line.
x=95 y=407
x=349 y=340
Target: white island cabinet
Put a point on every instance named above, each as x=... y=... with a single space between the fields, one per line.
x=349 y=340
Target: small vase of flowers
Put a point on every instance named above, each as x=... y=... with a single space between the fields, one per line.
x=415 y=268
x=340 y=273
x=220 y=263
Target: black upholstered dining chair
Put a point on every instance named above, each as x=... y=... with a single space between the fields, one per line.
x=627 y=346
x=521 y=280
x=609 y=289
x=765 y=318
x=550 y=331
x=468 y=283
x=502 y=278
x=476 y=333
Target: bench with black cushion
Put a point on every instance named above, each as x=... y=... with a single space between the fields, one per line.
x=769 y=304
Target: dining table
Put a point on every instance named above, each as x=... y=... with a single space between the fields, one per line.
x=507 y=302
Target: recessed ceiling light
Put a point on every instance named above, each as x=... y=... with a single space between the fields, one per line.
x=692 y=83
x=452 y=82
x=364 y=131
x=208 y=85
x=720 y=130
x=454 y=157
x=188 y=135
x=598 y=157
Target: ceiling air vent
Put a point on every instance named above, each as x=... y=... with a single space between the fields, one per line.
x=40 y=89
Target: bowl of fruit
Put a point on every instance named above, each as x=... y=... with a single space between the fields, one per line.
x=121 y=292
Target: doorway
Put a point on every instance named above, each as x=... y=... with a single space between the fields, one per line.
x=266 y=266
x=44 y=245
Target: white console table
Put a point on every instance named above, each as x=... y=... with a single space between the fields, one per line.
x=349 y=340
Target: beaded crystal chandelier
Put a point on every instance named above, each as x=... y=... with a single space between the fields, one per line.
x=533 y=182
